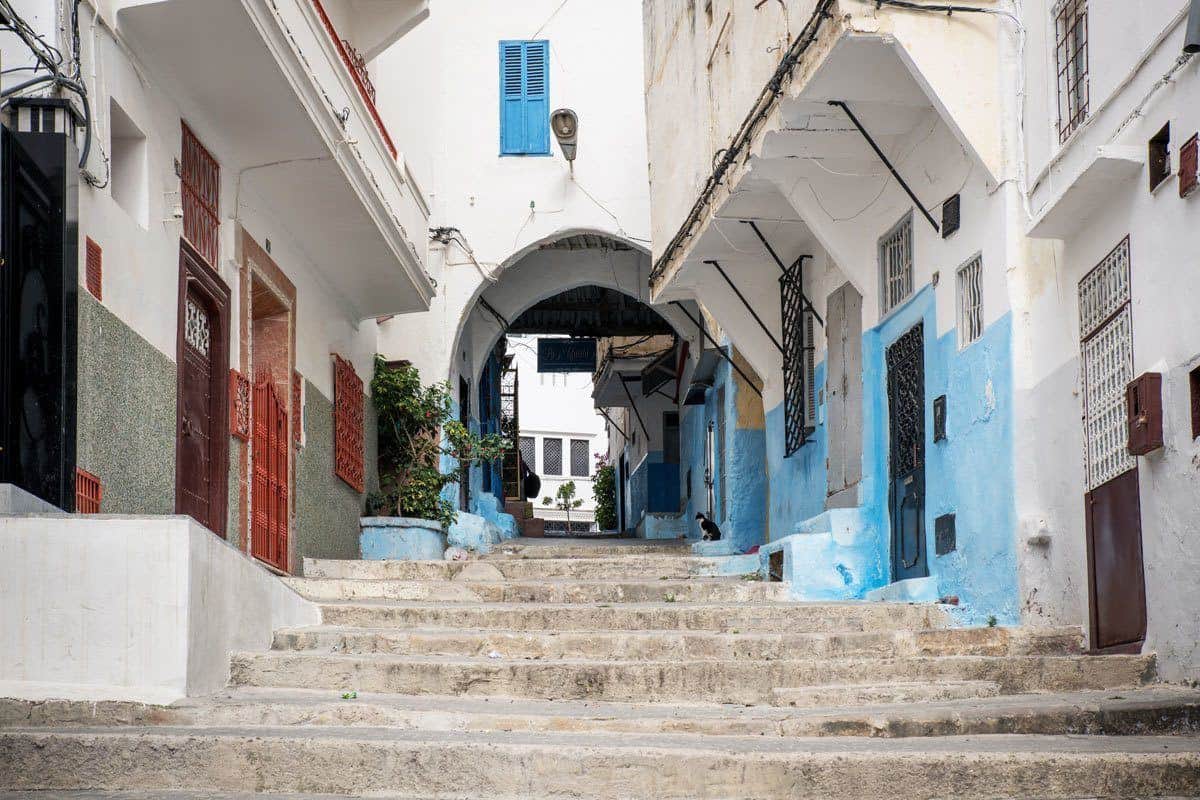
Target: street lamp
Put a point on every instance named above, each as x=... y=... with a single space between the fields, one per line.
x=565 y=124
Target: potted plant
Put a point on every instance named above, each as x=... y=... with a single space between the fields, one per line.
x=410 y=515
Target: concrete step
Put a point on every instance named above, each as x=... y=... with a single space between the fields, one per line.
x=695 y=590
x=671 y=681
x=720 y=617
x=586 y=548
x=1155 y=710
x=631 y=567
x=681 y=645
x=865 y=694
x=509 y=765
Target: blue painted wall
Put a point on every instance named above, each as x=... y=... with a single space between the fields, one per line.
x=662 y=487
x=797 y=484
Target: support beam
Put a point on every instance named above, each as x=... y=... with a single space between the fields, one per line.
x=798 y=263
x=612 y=422
x=887 y=163
x=638 y=414
x=717 y=345
x=749 y=307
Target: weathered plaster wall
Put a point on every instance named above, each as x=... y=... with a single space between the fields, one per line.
x=327 y=509
x=798 y=482
x=126 y=413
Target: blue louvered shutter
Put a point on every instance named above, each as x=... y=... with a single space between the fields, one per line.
x=524 y=97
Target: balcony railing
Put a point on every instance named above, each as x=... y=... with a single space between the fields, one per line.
x=358 y=71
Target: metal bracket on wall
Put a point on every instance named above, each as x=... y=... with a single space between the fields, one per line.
x=488 y=307
x=633 y=405
x=612 y=422
x=749 y=307
x=718 y=347
x=887 y=163
x=787 y=272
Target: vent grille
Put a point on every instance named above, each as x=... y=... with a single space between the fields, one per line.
x=951 y=215
x=348 y=423
x=1188 y=167
x=89 y=492
x=94 y=269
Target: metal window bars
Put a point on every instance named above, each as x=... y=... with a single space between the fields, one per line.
x=1071 y=55
x=552 y=456
x=970 y=301
x=200 y=186
x=580 y=450
x=896 y=264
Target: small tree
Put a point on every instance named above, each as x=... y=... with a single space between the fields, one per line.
x=416 y=428
x=564 y=500
x=605 y=488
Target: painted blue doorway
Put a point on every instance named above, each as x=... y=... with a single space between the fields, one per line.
x=906 y=465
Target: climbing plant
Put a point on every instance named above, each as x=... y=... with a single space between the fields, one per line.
x=605 y=487
x=416 y=428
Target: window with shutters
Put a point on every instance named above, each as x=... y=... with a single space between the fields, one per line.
x=95 y=269
x=551 y=456
x=525 y=98
x=579 y=458
x=1188 y=167
x=347 y=424
x=896 y=264
x=970 y=301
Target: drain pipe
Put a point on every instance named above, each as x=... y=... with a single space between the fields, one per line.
x=1191 y=38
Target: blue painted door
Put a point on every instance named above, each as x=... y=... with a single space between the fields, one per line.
x=906 y=463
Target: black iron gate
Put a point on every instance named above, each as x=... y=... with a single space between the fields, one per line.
x=906 y=463
x=38 y=309
x=798 y=401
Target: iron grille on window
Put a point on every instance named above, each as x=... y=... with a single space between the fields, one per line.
x=1071 y=53
x=970 y=301
x=347 y=423
x=551 y=456
x=896 y=264
x=94 y=269
x=89 y=492
x=200 y=182
x=529 y=452
x=579 y=458
x=798 y=401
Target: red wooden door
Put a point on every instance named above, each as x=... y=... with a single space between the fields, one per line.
x=1117 y=584
x=201 y=425
x=269 y=501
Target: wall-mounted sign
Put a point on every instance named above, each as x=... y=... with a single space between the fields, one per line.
x=566 y=355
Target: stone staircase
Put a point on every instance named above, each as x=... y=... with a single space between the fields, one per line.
x=615 y=671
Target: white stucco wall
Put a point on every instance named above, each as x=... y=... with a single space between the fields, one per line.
x=130 y=608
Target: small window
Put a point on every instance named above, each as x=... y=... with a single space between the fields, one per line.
x=1071 y=57
x=1188 y=167
x=127 y=163
x=525 y=97
x=1159 y=157
x=1194 y=379
x=951 y=216
x=552 y=456
x=580 y=451
x=896 y=264
x=529 y=452
x=970 y=301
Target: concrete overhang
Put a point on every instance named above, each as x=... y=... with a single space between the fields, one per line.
x=1107 y=167
x=607 y=391
x=264 y=86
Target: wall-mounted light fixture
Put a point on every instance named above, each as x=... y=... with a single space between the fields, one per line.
x=565 y=124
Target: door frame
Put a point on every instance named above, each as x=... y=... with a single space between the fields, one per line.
x=194 y=271
x=895 y=502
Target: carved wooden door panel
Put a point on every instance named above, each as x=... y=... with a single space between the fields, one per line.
x=269 y=498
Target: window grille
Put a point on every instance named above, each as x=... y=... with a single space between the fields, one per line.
x=348 y=424
x=580 y=450
x=1106 y=328
x=970 y=301
x=89 y=492
x=529 y=452
x=1071 y=52
x=551 y=456
x=239 y=405
x=200 y=180
x=798 y=368
x=95 y=269
x=722 y=501
x=896 y=264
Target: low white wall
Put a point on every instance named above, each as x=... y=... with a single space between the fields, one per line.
x=129 y=608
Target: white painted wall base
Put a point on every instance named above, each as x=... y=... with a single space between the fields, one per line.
x=129 y=608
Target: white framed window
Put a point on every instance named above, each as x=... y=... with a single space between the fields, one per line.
x=580 y=452
x=896 y=264
x=552 y=456
x=970 y=301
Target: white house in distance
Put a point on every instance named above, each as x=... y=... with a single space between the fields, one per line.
x=561 y=434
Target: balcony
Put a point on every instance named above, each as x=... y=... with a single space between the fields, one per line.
x=282 y=98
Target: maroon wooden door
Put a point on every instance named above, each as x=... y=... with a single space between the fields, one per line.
x=1117 y=586
x=201 y=460
x=269 y=500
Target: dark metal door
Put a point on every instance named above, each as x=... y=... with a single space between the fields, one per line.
x=906 y=464
x=202 y=424
x=1117 y=586
x=38 y=302
x=269 y=501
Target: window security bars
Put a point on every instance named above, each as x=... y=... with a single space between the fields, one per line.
x=552 y=456
x=529 y=452
x=799 y=406
x=896 y=264
x=1071 y=53
x=970 y=301
x=579 y=458
x=348 y=424
x=200 y=182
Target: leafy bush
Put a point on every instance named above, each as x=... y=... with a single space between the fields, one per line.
x=416 y=428
x=605 y=488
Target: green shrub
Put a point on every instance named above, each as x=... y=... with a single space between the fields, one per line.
x=605 y=488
